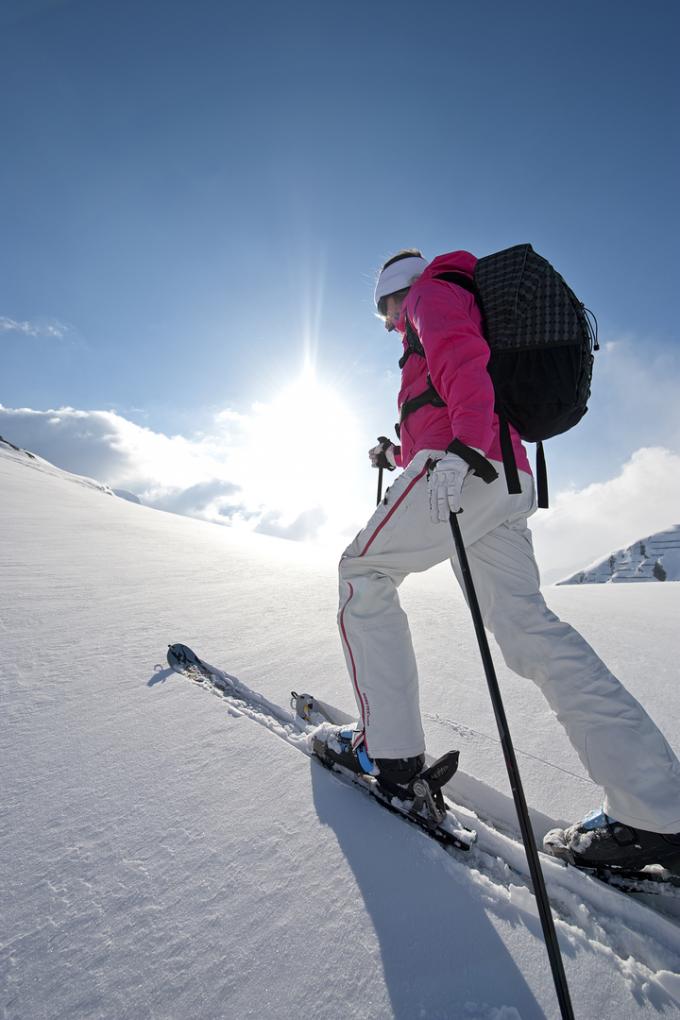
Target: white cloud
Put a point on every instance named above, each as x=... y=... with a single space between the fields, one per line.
x=289 y=468
x=36 y=329
x=305 y=526
x=585 y=525
x=635 y=386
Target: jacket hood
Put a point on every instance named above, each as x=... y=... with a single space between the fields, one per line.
x=458 y=261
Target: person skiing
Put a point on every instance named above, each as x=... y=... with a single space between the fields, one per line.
x=451 y=457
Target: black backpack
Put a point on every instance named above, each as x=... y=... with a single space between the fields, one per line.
x=541 y=341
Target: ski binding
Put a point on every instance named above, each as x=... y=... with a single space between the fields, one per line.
x=423 y=803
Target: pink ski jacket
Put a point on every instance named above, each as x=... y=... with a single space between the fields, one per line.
x=449 y=325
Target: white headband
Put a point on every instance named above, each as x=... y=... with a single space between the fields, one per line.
x=399 y=275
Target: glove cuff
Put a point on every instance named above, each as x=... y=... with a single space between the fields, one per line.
x=383 y=461
x=386 y=457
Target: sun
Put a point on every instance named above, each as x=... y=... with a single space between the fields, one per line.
x=309 y=414
x=303 y=448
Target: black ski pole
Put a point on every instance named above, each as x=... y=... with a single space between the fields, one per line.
x=542 y=901
x=380 y=476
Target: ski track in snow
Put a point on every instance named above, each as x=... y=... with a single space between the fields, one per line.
x=639 y=941
x=453 y=726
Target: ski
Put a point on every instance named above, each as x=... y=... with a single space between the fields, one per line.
x=184 y=660
x=308 y=718
x=653 y=880
x=307 y=714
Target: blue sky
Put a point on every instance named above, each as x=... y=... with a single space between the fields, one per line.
x=194 y=194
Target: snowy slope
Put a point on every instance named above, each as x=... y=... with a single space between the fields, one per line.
x=655 y=558
x=165 y=857
x=10 y=452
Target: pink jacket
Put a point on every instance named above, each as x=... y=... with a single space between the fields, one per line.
x=449 y=325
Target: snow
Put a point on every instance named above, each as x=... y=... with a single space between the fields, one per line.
x=654 y=558
x=163 y=856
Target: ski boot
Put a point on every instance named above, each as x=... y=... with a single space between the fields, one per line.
x=600 y=842
x=400 y=779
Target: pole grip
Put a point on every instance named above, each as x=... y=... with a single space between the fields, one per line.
x=380 y=483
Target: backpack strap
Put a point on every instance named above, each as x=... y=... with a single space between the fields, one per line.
x=428 y=396
x=478 y=463
x=414 y=345
x=510 y=465
x=460 y=279
x=509 y=462
x=541 y=477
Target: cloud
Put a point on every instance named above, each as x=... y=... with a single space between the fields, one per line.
x=635 y=386
x=584 y=525
x=268 y=470
x=36 y=329
x=195 y=500
x=305 y=526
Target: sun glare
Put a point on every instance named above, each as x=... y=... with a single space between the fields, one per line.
x=302 y=447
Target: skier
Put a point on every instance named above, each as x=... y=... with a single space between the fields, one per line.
x=448 y=452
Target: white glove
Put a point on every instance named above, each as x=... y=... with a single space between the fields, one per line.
x=382 y=455
x=445 y=484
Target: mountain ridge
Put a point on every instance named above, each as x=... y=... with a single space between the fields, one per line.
x=653 y=558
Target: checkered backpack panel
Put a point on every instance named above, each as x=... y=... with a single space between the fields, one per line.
x=540 y=339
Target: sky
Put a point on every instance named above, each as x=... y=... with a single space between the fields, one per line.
x=195 y=198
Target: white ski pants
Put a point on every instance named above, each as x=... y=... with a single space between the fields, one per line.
x=622 y=749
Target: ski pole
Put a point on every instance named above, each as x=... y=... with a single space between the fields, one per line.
x=542 y=901
x=380 y=478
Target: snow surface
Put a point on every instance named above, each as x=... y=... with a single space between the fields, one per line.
x=654 y=558
x=162 y=856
